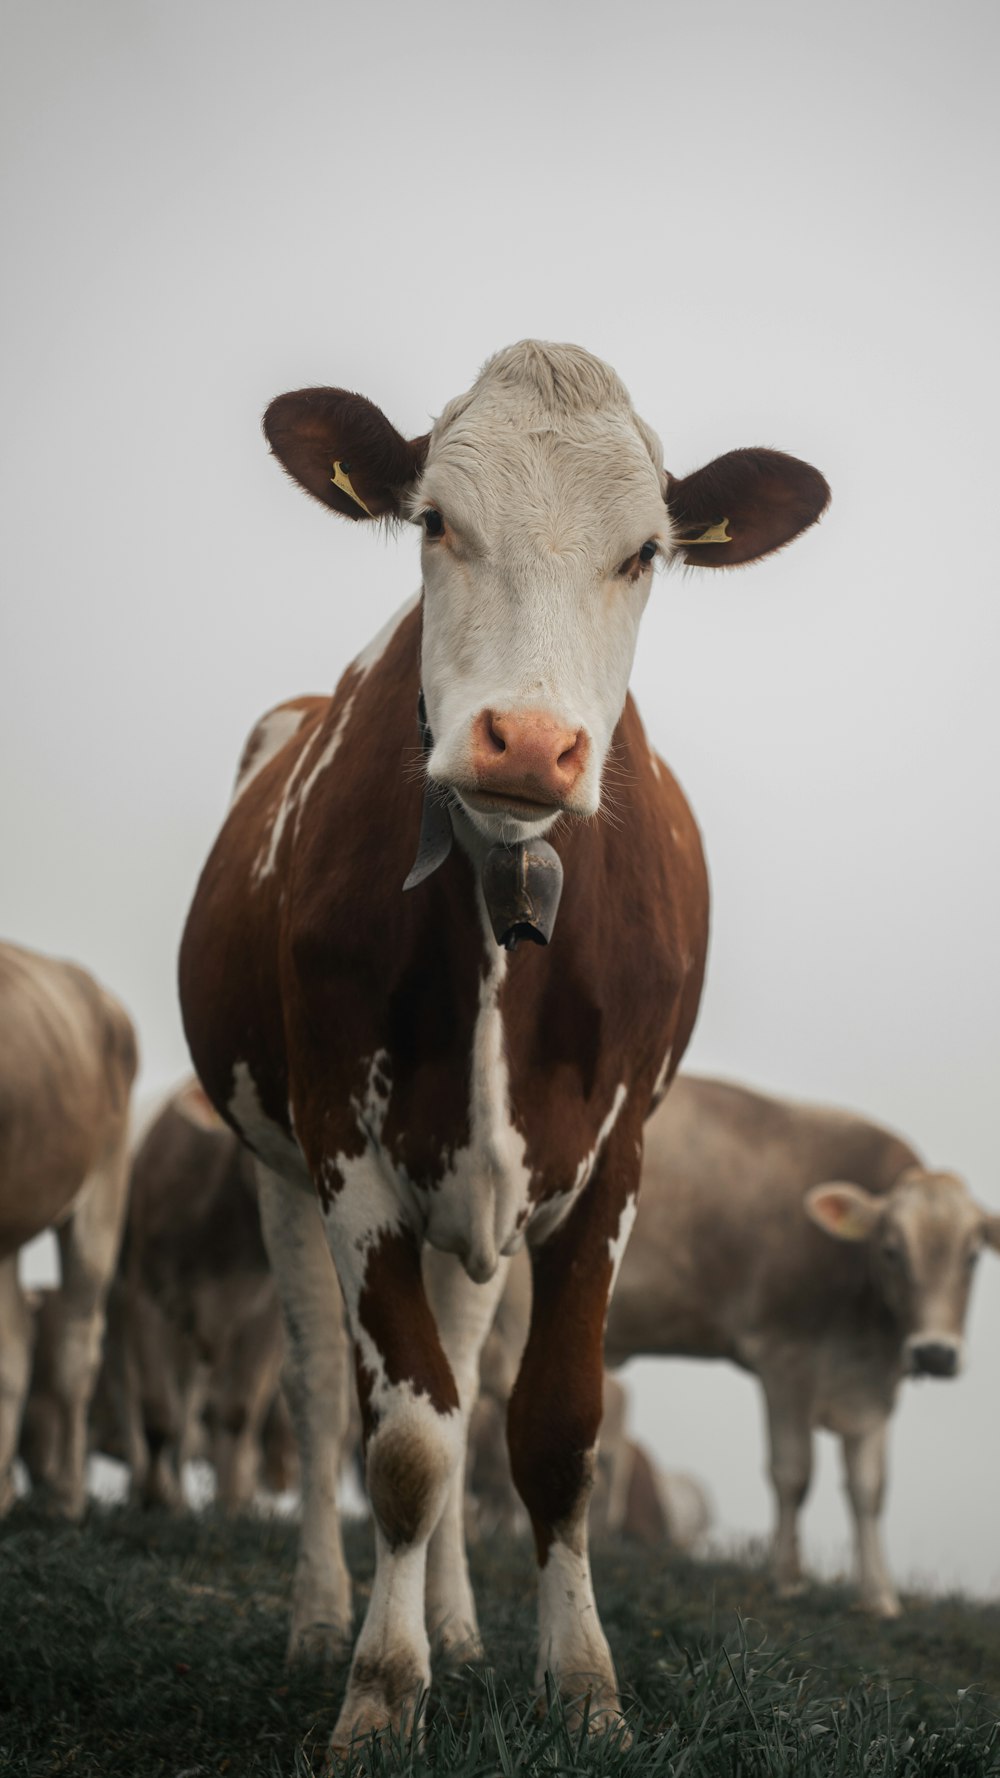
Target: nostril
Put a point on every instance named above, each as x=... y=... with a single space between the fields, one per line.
x=488 y=735
x=570 y=754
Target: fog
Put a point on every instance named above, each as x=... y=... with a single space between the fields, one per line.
x=778 y=224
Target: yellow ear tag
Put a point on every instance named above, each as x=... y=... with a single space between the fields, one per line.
x=714 y=534
x=342 y=480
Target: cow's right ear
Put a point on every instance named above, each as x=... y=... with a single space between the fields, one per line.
x=742 y=506
x=342 y=450
x=843 y=1210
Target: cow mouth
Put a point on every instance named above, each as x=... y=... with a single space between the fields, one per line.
x=519 y=807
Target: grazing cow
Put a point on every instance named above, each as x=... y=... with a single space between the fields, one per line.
x=403 y=1073
x=67 y=1063
x=814 y=1249
x=204 y=1341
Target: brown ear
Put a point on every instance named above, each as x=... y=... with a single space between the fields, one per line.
x=762 y=499
x=843 y=1210
x=991 y=1232
x=342 y=450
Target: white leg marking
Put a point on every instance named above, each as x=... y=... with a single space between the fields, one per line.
x=571 y=1643
x=464 y=1313
x=318 y=1384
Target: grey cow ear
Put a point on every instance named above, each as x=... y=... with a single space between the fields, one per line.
x=742 y=506
x=843 y=1210
x=341 y=448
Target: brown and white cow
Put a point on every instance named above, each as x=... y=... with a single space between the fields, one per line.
x=815 y=1249
x=201 y=1324
x=404 y=1079
x=67 y=1063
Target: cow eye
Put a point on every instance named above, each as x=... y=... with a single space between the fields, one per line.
x=433 y=522
x=632 y=569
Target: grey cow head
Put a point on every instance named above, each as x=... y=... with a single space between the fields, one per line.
x=924 y=1238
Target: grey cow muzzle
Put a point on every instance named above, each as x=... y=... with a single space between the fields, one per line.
x=521 y=884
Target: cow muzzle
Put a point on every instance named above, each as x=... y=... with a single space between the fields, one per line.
x=527 y=757
x=933 y=1357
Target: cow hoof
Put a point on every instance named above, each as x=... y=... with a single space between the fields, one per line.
x=327 y=1641
x=884 y=1605
x=394 y=1700
x=457 y=1645
x=600 y=1711
x=70 y=1507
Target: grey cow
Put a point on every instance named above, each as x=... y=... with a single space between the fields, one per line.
x=813 y=1248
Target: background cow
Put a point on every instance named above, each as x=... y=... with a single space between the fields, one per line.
x=67 y=1063
x=407 y=1077
x=813 y=1248
x=203 y=1341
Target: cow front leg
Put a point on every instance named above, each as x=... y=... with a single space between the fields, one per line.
x=413 y=1446
x=790 y=1436
x=864 y=1472
x=553 y=1424
x=16 y=1335
x=317 y=1379
x=88 y=1252
x=464 y=1313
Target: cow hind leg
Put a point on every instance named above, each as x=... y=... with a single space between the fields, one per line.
x=317 y=1382
x=245 y=1389
x=88 y=1251
x=864 y=1472
x=16 y=1334
x=156 y=1411
x=464 y=1313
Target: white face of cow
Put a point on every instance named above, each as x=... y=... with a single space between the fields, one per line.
x=543 y=504
x=924 y=1240
x=541 y=528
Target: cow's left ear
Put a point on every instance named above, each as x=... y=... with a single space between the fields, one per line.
x=991 y=1232
x=843 y=1210
x=742 y=506
x=341 y=448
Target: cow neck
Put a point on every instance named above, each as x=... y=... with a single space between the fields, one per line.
x=521 y=883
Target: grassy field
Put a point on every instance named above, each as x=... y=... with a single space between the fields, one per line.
x=149 y=1646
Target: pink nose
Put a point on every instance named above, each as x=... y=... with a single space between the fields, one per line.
x=527 y=755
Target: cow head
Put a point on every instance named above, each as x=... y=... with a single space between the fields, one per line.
x=543 y=507
x=924 y=1238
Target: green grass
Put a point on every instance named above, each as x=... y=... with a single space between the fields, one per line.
x=148 y=1646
